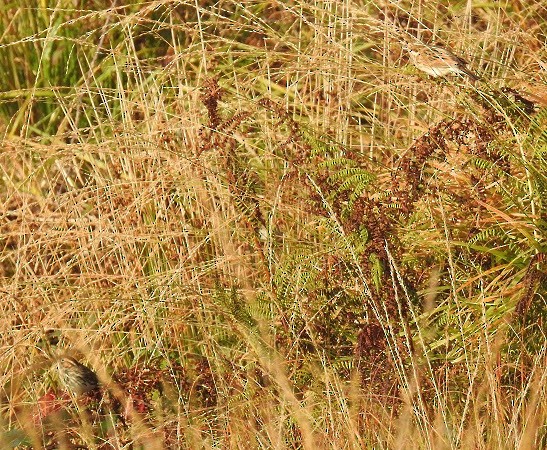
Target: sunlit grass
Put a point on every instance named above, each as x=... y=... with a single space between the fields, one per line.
x=262 y=228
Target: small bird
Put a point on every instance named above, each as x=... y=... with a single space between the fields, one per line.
x=77 y=378
x=438 y=61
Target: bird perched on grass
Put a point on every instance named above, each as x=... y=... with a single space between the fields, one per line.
x=438 y=61
x=77 y=378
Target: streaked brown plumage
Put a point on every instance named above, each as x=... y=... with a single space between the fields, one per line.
x=438 y=61
x=77 y=378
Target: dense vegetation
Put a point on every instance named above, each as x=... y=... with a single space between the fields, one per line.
x=263 y=228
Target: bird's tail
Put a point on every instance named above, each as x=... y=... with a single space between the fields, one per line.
x=474 y=77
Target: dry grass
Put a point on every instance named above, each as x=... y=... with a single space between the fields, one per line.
x=263 y=229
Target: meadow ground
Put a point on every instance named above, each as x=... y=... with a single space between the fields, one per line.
x=263 y=228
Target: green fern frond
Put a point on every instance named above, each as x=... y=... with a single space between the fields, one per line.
x=319 y=146
x=358 y=178
x=376 y=271
x=336 y=162
x=538 y=127
x=487 y=165
x=346 y=173
x=343 y=364
x=354 y=180
x=262 y=308
x=486 y=235
x=235 y=306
